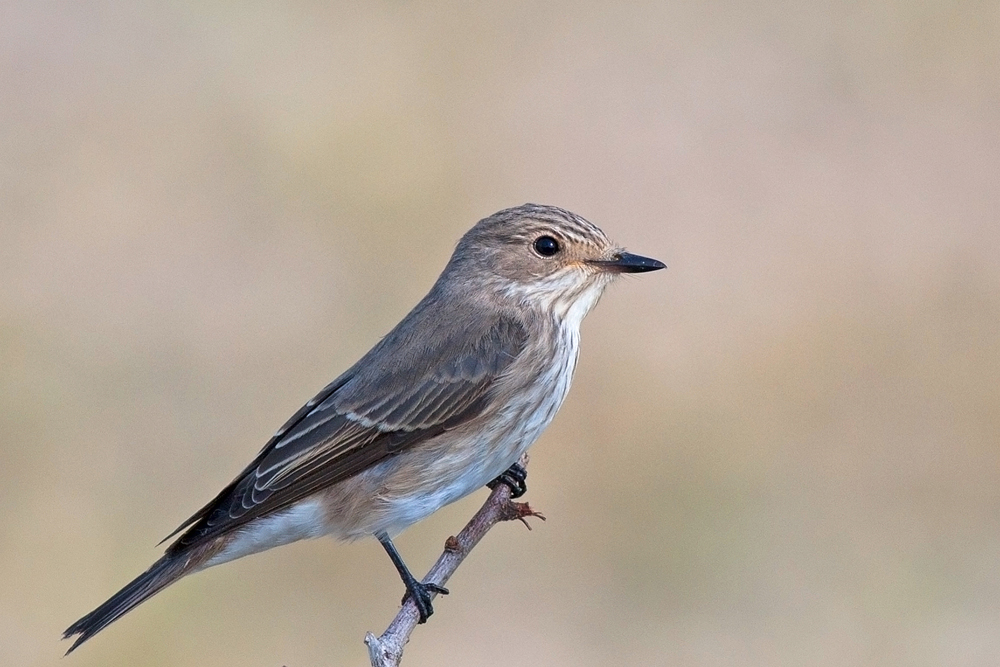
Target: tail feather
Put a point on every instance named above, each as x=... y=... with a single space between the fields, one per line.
x=164 y=572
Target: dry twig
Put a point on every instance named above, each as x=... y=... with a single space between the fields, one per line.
x=387 y=650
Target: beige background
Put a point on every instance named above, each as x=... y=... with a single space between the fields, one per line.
x=780 y=451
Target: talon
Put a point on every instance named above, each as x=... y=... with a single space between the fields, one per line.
x=514 y=478
x=420 y=592
x=421 y=595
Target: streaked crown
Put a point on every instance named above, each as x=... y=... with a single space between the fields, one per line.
x=529 y=243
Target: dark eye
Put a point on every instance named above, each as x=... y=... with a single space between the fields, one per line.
x=546 y=246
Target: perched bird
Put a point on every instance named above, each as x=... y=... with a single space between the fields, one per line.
x=446 y=403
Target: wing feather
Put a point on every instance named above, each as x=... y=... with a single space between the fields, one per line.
x=372 y=411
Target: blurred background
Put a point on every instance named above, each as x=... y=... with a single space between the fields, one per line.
x=780 y=451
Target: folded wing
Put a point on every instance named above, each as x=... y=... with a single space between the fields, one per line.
x=403 y=392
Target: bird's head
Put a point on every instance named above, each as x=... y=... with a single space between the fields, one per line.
x=542 y=256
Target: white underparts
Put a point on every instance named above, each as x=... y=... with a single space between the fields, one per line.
x=303 y=520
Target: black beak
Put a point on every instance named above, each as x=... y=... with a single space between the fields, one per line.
x=626 y=262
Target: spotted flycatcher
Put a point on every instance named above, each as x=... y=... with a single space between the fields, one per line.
x=446 y=403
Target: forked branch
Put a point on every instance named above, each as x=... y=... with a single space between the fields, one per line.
x=387 y=649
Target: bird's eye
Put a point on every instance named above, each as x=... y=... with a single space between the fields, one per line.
x=546 y=246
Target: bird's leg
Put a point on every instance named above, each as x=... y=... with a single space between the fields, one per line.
x=420 y=592
x=515 y=478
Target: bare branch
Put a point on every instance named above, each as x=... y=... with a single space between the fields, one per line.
x=387 y=650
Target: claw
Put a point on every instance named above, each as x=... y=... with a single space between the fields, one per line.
x=421 y=594
x=515 y=478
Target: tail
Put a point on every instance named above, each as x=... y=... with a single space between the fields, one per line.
x=164 y=572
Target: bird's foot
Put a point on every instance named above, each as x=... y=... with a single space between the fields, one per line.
x=422 y=594
x=514 y=478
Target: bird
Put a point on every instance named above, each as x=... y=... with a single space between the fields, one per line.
x=444 y=404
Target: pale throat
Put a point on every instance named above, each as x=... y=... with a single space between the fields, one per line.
x=568 y=295
x=574 y=295
x=572 y=311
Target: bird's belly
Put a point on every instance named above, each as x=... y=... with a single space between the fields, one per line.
x=445 y=478
x=303 y=520
x=462 y=461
